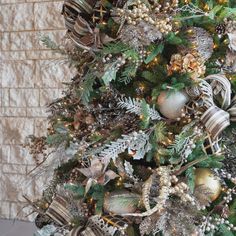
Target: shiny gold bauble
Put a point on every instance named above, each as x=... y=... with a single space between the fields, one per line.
x=171 y=104
x=206 y=178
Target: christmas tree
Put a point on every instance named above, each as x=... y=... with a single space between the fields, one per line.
x=143 y=140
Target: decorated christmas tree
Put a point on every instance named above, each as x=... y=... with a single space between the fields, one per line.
x=143 y=140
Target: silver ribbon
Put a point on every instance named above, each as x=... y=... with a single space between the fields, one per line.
x=220 y=109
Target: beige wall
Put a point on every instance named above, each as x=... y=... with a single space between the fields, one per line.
x=30 y=77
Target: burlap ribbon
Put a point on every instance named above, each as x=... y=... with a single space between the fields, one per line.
x=220 y=108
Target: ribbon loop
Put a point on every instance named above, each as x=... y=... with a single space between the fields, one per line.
x=221 y=88
x=215 y=120
x=232 y=110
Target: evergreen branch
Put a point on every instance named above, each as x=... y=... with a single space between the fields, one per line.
x=115 y=48
x=138 y=143
x=160 y=131
x=47 y=41
x=190 y=164
x=128 y=73
x=135 y=106
x=86 y=87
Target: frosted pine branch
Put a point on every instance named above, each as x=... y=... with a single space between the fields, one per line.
x=133 y=105
x=136 y=143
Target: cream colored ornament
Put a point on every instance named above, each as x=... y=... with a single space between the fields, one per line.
x=171 y=104
x=232 y=40
x=205 y=177
x=121 y=202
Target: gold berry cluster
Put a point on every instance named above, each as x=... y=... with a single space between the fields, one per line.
x=188 y=63
x=150 y=14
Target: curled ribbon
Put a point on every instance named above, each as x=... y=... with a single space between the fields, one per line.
x=220 y=109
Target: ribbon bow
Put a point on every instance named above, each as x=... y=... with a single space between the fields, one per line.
x=220 y=108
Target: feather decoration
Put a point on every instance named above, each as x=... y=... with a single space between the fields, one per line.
x=136 y=142
x=134 y=105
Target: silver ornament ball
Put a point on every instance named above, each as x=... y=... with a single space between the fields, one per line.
x=171 y=105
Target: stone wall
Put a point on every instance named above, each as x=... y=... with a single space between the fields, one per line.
x=31 y=76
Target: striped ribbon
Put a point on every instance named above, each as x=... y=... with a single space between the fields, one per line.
x=78 y=28
x=215 y=118
x=58 y=211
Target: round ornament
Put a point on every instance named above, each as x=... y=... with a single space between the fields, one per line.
x=205 y=177
x=121 y=202
x=171 y=105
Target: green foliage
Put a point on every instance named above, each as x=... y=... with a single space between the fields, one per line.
x=180 y=139
x=149 y=76
x=177 y=82
x=86 y=88
x=49 y=43
x=171 y=38
x=189 y=173
x=227 y=12
x=214 y=11
x=110 y=73
x=213 y=161
x=97 y=192
x=114 y=48
x=157 y=49
x=56 y=139
x=160 y=131
x=145 y=114
x=223 y=231
x=128 y=73
x=78 y=190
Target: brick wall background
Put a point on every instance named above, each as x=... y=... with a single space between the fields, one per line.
x=30 y=77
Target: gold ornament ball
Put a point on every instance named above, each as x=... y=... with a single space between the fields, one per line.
x=206 y=178
x=171 y=105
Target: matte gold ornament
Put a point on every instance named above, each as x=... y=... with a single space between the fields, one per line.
x=121 y=202
x=171 y=105
x=205 y=177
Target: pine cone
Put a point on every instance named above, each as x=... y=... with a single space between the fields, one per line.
x=220 y=28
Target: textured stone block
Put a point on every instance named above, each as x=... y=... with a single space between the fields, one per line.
x=20 y=41
x=55 y=35
x=6 y=154
x=36 y=112
x=22 y=22
x=5 y=97
x=14 y=169
x=4 y=209
x=13 y=112
x=11 y=1
x=16 y=154
x=17 y=74
x=24 y=97
x=50 y=18
x=48 y=95
x=1 y=131
x=0 y=98
x=40 y=127
x=40 y=184
x=16 y=129
x=5 y=43
x=16 y=209
x=14 y=186
x=52 y=74
x=17 y=17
